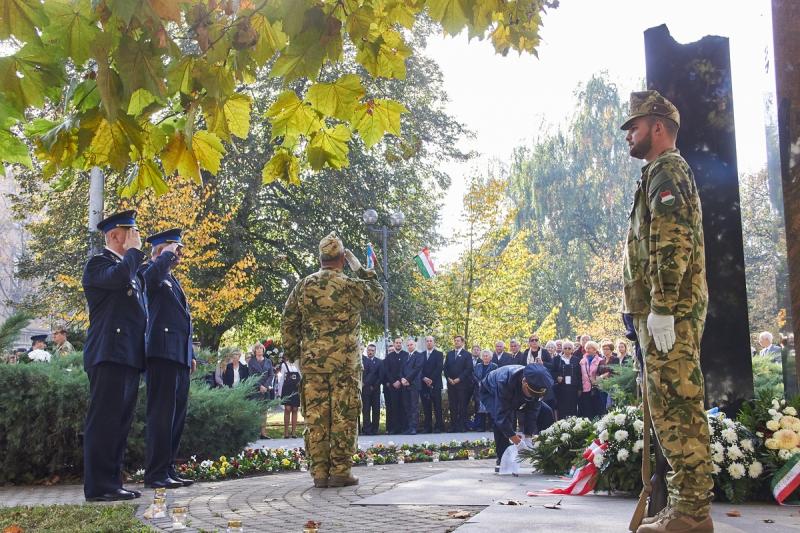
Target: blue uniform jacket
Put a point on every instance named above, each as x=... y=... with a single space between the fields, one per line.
x=115 y=294
x=501 y=395
x=169 y=328
x=412 y=370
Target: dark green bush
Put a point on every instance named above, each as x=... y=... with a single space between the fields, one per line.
x=44 y=406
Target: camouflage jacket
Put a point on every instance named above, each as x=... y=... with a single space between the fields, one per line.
x=64 y=349
x=664 y=269
x=322 y=317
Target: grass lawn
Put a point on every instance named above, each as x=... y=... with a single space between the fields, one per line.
x=72 y=518
x=275 y=421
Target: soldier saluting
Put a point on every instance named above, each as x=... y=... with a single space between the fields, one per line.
x=113 y=355
x=665 y=292
x=321 y=321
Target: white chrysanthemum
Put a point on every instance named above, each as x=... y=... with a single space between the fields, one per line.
x=638 y=445
x=622 y=455
x=536 y=444
x=565 y=437
x=728 y=422
x=747 y=445
x=600 y=426
x=736 y=470
x=620 y=435
x=784 y=454
x=718 y=458
x=206 y=464
x=598 y=459
x=772 y=412
x=717 y=447
x=755 y=470
x=791 y=411
x=759 y=434
x=620 y=419
x=773 y=425
x=729 y=435
x=734 y=452
x=603 y=436
x=715 y=468
x=638 y=426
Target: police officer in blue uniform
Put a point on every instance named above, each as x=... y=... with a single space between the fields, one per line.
x=113 y=355
x=170 y=360
x=512 y=391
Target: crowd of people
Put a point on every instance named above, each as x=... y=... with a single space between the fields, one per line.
x=410 y=377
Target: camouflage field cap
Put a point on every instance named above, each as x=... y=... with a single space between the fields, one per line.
x=330 y=247
x=645 y=103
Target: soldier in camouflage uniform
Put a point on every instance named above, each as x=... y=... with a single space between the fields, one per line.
x=61 y=346
x=320 y=327
x=665 y=291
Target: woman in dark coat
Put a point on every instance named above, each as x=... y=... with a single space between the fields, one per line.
x=235 y=372
x=482 y=369
x=567 y=373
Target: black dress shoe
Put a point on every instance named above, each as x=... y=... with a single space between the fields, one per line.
x=113 y=496
x=136 y=493
x=186 y=482
x=167 y=483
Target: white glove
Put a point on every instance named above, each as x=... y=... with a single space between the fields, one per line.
x=352 y=260
x=662 y=329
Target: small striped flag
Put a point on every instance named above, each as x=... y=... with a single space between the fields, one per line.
x=372 y=259
x=424 y=263
x=786 y=479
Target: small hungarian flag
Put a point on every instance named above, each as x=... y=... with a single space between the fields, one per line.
x=667 y=198
x=372 y=259
x=786 y=479
x=424 y=263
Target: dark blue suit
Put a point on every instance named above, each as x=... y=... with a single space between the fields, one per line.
x=412 y=372
x=113 y=357
x=431 y=395
x=458 y=367
x=371 y=394
x=168 y=345
x=504 y=359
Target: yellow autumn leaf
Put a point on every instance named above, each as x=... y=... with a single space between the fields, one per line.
x=337 y=99
x=329 y=146
x=208 y=150
x=283 y=166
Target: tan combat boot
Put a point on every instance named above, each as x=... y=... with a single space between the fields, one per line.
x=321 y=482
x=657 y=517
x=674 y=522
x=342 y=481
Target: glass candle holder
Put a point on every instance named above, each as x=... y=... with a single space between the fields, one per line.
x=370 y=460
x=303 y=465
x=401 y=459
x=451 y=456
x=311 y=526
x=161 y=492
x=435 y=457
x=234 y=526
x=159 y=508
x=179 y=518
x=471 y=455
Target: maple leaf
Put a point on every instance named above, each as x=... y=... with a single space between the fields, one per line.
x=375 y=118
x=230 y=118
x=282 y=166
x=139 y=66
x=290 y=117
x=271 y=38
x=338 y=99
x=452 y=14
x=329 y=146
x=302 y=58
x=72 y=27
x=21 y=18
x=140 y=99
x=144 y=175
x=28 y=77
x=208 y=150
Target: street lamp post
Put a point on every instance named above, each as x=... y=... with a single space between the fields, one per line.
x=396 y=220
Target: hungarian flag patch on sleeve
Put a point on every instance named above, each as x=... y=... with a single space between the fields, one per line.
x=667 y=198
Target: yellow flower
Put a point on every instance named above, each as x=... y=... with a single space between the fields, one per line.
x=786 y=439
x=222 y=471
x=789 y=422
x=773 y=425
x=222 y=458
x=286 y=462
x=772 y=444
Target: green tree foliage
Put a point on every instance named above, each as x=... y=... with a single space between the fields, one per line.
x=571 y=190
x=10 y=328
x=153 y=87
x=279 y=225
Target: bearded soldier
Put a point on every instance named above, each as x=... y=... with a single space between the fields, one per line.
x=320 y=326
x=665 y=292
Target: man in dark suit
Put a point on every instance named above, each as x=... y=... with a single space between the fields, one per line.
x=431 y=388
x=170 y=360
x=411 y=383
x=517 y=354
x=458 y=370
x=371 y=391
x=392 y=387
x=114 y=354
x=501 y=357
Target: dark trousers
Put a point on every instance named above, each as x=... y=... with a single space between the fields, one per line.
x=113 y=389
x=481 y=421
x=431 y=401
x=167 y=400
x=566 y=400
x=588 y=404
x=411 y=409
x=395 y=420
x=457 y=398
x=371 y=409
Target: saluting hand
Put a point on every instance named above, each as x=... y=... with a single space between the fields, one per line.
x=132 y=240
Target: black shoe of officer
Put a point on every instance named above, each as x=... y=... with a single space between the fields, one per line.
x=136 y=493
x=166 y=483
x=113 y=496
x=186 y=482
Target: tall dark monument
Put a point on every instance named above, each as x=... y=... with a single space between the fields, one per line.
x=696 y=77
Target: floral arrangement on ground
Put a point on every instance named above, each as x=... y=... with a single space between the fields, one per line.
x=619 y=460
x=271 y=461
x=554 y=449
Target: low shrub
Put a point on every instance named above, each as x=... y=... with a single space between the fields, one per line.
x=44 y=406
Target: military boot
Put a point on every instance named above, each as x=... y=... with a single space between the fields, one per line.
x=657 y=517
x=674 y=522
x=321 y=482
x=342 y=481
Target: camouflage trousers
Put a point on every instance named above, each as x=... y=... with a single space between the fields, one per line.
x=330 y=404
x=676 y=396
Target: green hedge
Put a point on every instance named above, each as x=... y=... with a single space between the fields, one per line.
x=44 y=406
